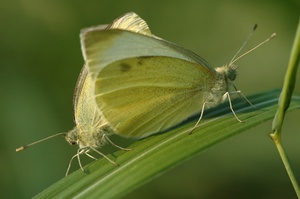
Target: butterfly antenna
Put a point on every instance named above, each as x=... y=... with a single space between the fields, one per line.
x=235 y=58
x=244 y=44
x=21 y=148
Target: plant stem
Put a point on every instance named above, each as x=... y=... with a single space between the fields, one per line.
x=283 y=104
x=277 y=140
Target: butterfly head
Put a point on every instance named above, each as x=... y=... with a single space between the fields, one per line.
x=72 y=136
x=228 y=72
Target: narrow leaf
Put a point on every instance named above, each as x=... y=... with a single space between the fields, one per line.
x=157 y=154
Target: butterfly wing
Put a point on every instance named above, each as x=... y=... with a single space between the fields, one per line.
x=143 y=84
x=88 y=118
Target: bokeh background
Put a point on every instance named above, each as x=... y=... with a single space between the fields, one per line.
x=41 y=59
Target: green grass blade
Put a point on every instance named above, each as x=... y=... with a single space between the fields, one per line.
x=155 y=155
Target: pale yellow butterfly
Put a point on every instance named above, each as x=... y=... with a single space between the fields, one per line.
x=144 y=84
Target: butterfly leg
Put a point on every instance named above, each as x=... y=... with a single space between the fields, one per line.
x=89 y=155
x=201 y=114
x=227 y=95
x=244 y=97
x=105 y=137
x=92 y=148
x=79 y=151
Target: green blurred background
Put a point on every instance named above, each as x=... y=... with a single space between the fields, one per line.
x=41 y=59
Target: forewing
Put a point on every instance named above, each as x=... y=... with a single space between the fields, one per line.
x=105 y=46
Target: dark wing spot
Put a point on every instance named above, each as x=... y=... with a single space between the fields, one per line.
x=124 y=67
x=140 y=62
